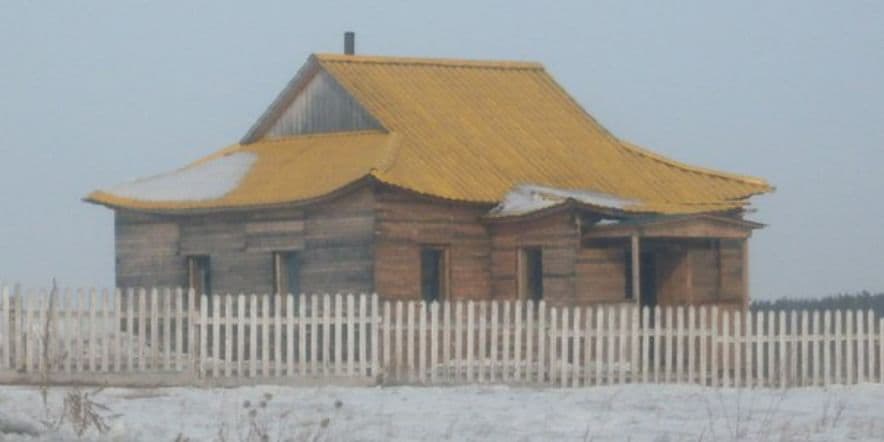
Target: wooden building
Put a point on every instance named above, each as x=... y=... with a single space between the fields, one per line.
x=440 y=179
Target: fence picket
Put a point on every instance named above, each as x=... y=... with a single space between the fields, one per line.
x=365 y=323
x=338 y=325
x=563 y=348
x=459 y=357
x=860 y=347
x=422 y=342
x=471 y=342
x=302 y=333
x=714 y=341
x=517 y=341
x=771 y=339
x=531 y=310
x=611 y=349
x=434 y=340
x=552 y=345
x=645 y=314
x=805 y=351
x=692 y=337
x=327 y=335
x=351 y=335
x=541 y=341
x=215 y=318
x=399 y=328
x=599 y=354
x=191 y=326
x=725 y=348
x=228 y=335
x=494 y=333
x=679 y=345
x=203 y=334
x=870 y=333
x=313 y=319
x=177 y=320
x=657 y=357
x=827 y=332
x=621 y=346
x=483 y=336
x=881 y=350
x=445 y=327
x=253 y=336
x=839 y=379
x=750 y=344
x=375 y=335
x=849 y=364
x=289 y=334
x=738 y=349
x=241 y=319
x=669 y=343
x=576 y=347
x=276 y=318
x=587 y=346
x=816 y=343
x=410 y=366
x=103 y=333
x=505 y=331
x=4 y=327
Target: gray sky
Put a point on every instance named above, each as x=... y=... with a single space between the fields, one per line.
x=95 y=93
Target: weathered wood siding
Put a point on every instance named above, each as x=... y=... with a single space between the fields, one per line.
x=322 y=106
x=146 y=249
x=334 y=240
x=406 y=222
x=601 y=271
x=558 y=238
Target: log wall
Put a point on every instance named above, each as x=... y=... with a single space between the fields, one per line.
x=558 y=237
x=406 y=222
x=334 y=239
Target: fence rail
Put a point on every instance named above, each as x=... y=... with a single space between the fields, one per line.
x=174 y=337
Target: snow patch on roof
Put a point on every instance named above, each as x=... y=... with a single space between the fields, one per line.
x=210 y=180
x=527 y=198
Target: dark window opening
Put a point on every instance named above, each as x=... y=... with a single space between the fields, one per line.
x=287 y=273
x=286 y=277
x=627 y=274
x=531 y=273
x=434 y=277
x=199 y=275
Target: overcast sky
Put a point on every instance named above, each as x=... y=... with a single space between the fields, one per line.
x=95 y=93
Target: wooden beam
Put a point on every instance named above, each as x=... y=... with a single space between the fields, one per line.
x=636 y=280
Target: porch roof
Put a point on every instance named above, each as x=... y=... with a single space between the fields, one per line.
x=675 y=226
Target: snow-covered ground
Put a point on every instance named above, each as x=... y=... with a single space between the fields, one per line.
x=479 y=413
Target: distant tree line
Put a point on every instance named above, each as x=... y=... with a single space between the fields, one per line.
x=846 y=301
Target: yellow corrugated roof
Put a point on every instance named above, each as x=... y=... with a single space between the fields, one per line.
x=286 y=170
x=468 y=131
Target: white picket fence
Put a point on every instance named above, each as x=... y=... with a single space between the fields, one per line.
x=170 y=337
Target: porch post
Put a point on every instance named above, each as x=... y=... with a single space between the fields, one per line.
x=745 y=257
x=636 y=280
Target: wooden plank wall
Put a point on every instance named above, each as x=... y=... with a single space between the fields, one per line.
x=601 y=271
x=335 y=240
x=405 y=222
x=559 y=239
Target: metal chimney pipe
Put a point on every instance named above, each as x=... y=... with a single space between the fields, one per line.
x=349 y=43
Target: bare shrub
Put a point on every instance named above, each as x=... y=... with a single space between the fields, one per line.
x=82 y=412
x=257 y=425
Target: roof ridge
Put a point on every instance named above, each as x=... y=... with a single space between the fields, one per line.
x=446 y=62
x=691 y=168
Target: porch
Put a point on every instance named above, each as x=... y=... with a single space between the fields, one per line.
x=668 y=260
